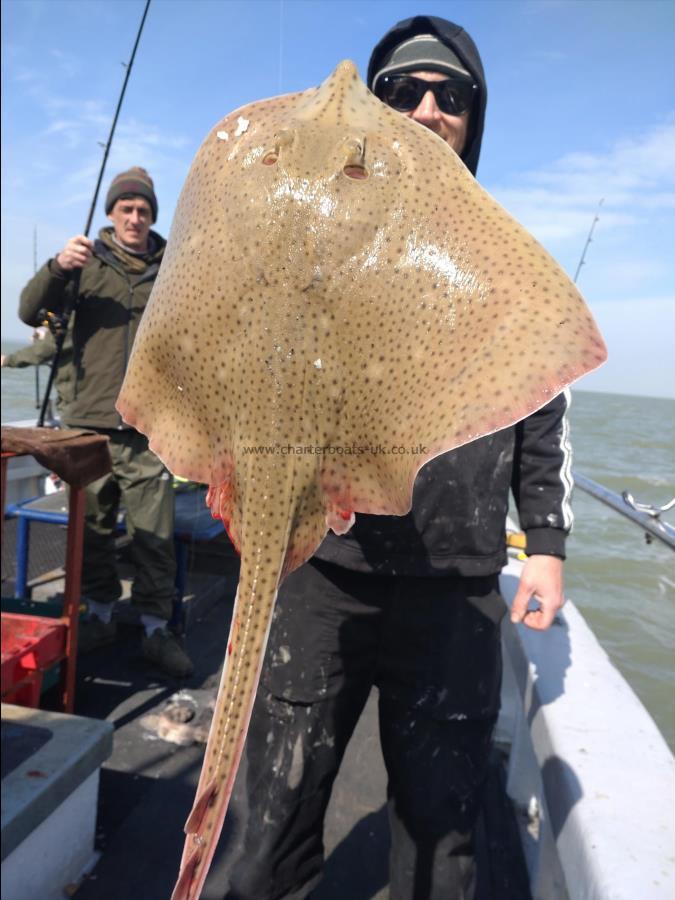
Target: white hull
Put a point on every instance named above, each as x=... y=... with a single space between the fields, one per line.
x=588 y=767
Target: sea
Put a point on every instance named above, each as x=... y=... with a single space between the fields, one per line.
x=623 y=584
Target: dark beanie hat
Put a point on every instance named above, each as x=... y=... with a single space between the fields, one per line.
x=134 y=183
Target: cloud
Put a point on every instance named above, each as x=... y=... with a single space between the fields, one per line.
x=60 y=163
x=69 y=65
x=24 y=75
x=636 y=178
x=548 y=56
x=73 y=124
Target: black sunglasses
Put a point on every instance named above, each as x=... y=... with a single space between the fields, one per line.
x=404 y=92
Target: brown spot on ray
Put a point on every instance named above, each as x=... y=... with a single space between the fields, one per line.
x=334 y=278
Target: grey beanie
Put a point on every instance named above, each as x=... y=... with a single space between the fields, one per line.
x=424 y=52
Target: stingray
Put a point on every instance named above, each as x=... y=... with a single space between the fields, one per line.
x=339 y=303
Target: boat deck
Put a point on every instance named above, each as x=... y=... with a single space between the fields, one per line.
x=148 y=784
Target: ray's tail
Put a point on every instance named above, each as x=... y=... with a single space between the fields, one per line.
x=264 y=543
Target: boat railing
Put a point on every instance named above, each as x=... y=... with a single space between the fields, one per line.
x=645 y=515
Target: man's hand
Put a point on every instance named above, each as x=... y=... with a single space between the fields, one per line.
x=542 y=579
x=76 y=254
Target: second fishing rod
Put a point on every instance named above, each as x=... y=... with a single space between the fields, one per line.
x=59 y=322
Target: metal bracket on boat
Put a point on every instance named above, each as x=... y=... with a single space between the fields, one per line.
x=647 y=509
x=653 y=511
x=643 y=514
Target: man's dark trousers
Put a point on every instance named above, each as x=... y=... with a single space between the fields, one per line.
x=432 y=647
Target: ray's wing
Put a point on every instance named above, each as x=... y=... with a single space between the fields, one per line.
x=199 y=358
x=450 y=323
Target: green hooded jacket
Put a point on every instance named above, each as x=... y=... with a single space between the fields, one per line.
x=36 y=354
x=114 y=290
x=41 y=352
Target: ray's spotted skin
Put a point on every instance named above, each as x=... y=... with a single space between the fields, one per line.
x=335 y=278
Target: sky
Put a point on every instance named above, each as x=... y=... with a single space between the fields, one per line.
x=581 y=110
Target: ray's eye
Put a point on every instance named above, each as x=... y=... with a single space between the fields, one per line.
x=355 y=152
x=355 y=171
x=269 y=159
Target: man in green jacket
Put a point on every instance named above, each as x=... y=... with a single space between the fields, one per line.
x=117 y=274
x=41 y=352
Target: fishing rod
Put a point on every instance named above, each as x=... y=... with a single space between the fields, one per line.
x=59 y=323
x=37 y=368
x=642 y=514
x=582 y=259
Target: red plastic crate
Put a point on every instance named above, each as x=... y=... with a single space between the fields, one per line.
x=30 y=646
